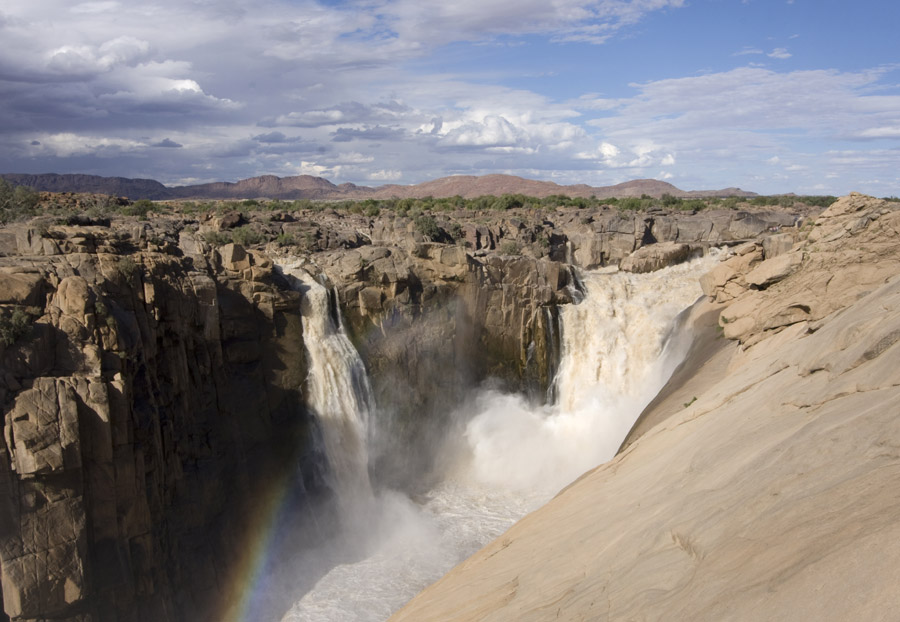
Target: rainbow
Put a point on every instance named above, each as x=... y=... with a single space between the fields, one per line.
x=245 y=583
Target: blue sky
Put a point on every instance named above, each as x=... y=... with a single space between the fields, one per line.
x=767 y=95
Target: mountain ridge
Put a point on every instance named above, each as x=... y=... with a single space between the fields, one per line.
x=319 y=188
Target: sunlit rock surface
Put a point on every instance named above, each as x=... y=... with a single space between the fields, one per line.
x=767 y=488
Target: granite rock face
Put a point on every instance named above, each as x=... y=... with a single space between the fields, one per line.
x=769 y=495
x=145 y=408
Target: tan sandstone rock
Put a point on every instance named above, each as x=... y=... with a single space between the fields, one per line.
x=769 y=495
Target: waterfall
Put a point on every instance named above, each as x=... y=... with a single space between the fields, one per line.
x=338 y=392
x=619 y=347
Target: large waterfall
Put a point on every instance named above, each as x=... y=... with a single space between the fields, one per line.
x=619 y=345
x=338 y=392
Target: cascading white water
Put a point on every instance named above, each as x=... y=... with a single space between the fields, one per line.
x=615 y=357
x=338 y=392
x=618 y=350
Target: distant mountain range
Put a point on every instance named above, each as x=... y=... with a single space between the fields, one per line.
x=309 y=187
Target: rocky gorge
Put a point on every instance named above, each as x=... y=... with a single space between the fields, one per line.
x=760 y=484
x=153 y=386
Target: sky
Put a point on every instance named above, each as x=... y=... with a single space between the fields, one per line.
x=770 y=96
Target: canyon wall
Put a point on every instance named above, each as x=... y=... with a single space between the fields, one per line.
x=152 y=394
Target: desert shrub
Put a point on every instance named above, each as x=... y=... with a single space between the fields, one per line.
x=818 y=201
x=508 y=201
x=16 y=202
x=15 y=325
x=285 y=239
x=216 y=238
x=128 y=269
x=139 y=208
x=692 y=204
x=427 y=226
x=509 y=247
x=246 y=236
x=669 y=200
x=630 y=203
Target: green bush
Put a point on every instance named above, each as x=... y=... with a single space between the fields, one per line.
x=630 y=203
x=509 y=247
x=16 y=202
x=669 y=200
x=15 y=326
x=692 y=204
x=216 y=238
x=456 y=231
x=286 y=239
x=246 y=236
x=139 y=208
x=427 y=226
x=128 y=269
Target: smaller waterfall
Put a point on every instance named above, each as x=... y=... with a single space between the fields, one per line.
x=338 y=391
x=619 y=347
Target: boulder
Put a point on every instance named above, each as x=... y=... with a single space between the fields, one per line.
x=234 y=257
x=777 y=244
x=773 y=270
x=21 y=288
x=656 y=256
x=716 y=279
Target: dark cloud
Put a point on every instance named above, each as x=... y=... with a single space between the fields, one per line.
x=166 y=142
x=378 y=132
x=272 y=138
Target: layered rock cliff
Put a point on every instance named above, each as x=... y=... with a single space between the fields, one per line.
x=761 y=484
x=152 y=394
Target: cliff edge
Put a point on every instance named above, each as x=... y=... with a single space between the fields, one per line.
x=769 y=493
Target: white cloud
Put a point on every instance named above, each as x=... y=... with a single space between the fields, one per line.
x=780 y=53
x=94 y=8
x=310 y=168
x=70 y=144
x=384 y=175
x=888 y=131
